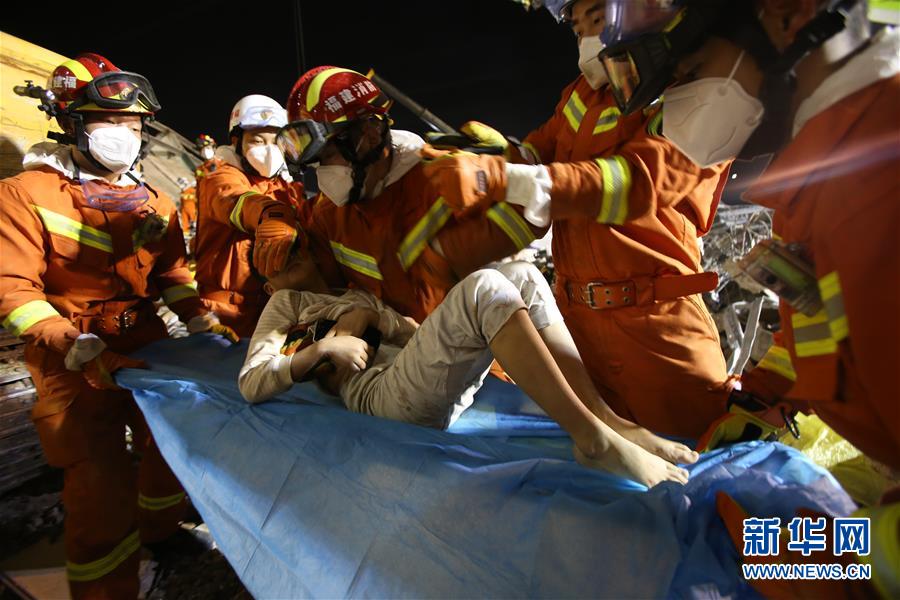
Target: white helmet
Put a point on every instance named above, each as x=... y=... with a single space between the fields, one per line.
x=256 y=111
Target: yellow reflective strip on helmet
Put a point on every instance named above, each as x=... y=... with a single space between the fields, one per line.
x=884 y=551
x=21 y=319
x=616 y=188
x=512 y=224
x=78 y=69
x=103 y=566
x=812 y=335
x=175 y=293
x=416 y=240
x=315 y=86
x=235 y=216
x=161 y=502
x=362 y=263
x=608 y=120
x=833 y=299
x=778 y=360
x=72 y=229
x=574 y=110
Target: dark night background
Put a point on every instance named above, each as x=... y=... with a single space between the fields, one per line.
x=489 y=60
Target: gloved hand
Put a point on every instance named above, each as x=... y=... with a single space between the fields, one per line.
x=274 y=237
x=98 y=371
x=529 y=186
x=209 y=323
x=468 y=182
x=748 y=418
x=85 y=348
x=483 y=135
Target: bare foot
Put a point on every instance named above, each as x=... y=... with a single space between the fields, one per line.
x=626 y=459
x=652 y=443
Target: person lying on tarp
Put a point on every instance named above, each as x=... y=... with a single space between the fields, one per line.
x=381 y=363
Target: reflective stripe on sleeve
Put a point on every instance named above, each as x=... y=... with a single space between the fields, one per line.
x=616 y=188
x=358 y=261
x=24 y=317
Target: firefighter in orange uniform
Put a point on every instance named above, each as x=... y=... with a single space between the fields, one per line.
x=382 y=223
x=87 y=247
x=627 y=210
x=187 y=211
x=249 y=211
x=809 y=81
x=206 y=146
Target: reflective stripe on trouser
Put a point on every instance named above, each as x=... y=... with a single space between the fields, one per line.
x=619 y=347
x=884 y=555
x=414 y=242
x=574 y=110
x=417 y=386
x=358 y=261
x=778 y=360
x=22 y=318
x=616 y=188
x=512 y=224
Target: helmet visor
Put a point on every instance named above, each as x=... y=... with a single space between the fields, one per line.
x=639 y=70
x=121 y=90
x=302 y=142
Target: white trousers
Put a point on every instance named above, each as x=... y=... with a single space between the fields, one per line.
x=433 y=379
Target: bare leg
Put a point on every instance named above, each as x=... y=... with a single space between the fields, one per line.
x=561 y=345
x=519 y=349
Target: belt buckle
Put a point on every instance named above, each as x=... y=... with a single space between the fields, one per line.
x=126 y=319
x=587 y=293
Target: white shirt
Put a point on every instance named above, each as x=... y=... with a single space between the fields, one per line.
x=267 y=372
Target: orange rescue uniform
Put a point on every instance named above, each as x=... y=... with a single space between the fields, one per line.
x=627 y=211
x=387 y=245
x=69 y=269
x=230 y=204
x=836 y=193
x=188 y=211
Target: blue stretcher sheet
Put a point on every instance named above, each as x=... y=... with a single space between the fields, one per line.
x=306 y=499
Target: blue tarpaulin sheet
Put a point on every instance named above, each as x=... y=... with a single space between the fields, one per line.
x=306 y=499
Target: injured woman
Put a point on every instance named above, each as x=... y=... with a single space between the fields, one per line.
x=383 y=364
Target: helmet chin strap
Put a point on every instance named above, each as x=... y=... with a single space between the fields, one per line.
x=360 y=164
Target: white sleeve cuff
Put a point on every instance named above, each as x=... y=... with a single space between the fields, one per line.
x=281 y=370
x=529 y=186
x=86 y=348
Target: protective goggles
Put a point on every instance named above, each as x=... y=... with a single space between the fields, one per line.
x=302 y=142
x=119 y=90
x=113 y=199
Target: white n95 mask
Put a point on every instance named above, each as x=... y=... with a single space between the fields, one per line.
x=116 y=148
x=266 y=159
x=336 y=182
x=589 y=62
x=710 y=119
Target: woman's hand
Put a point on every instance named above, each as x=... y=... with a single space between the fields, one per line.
x=347 y=352
x=354 y=322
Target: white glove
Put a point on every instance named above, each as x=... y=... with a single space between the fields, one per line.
x=86 y=348
x=202 y=323
x=529 y=186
